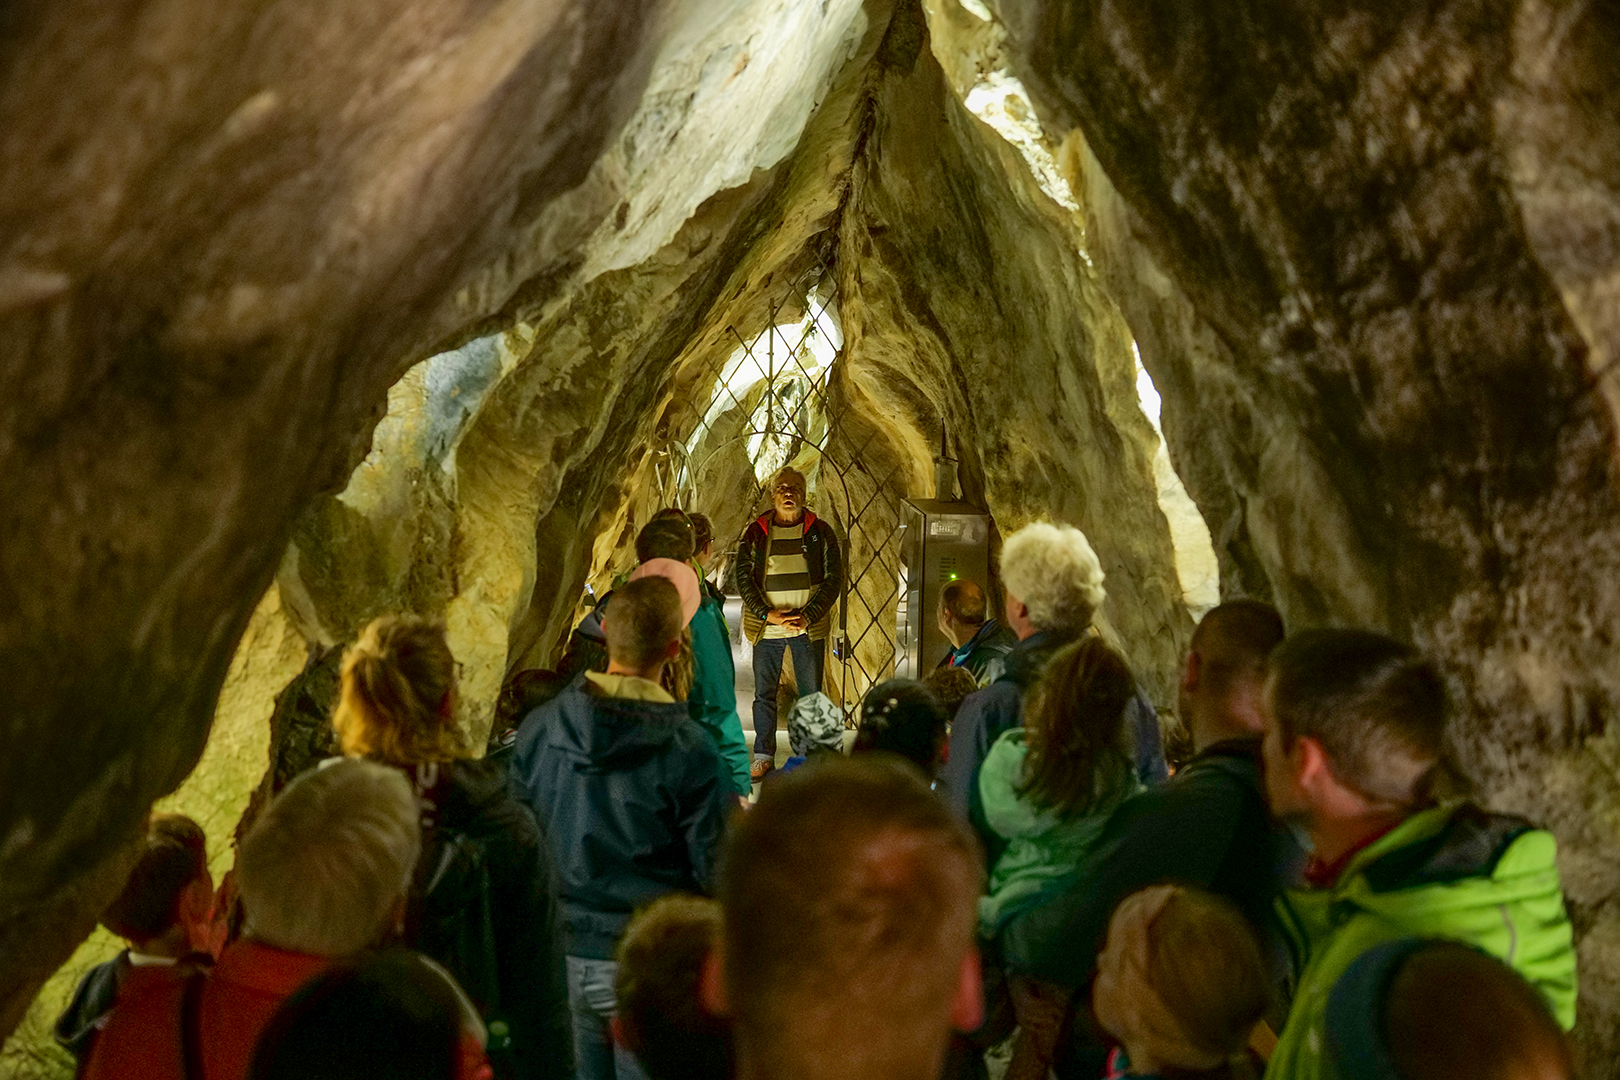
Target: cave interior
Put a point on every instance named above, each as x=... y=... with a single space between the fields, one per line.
x=313 y=312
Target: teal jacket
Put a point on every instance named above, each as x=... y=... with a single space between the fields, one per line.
x=1450 y=871
x=1045 y=851
x=713 y=699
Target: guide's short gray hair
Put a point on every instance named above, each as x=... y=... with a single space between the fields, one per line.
x=322 y=869
x=1055 y=572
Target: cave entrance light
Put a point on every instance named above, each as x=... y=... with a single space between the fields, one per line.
x=1196 y=566
x=776 y=401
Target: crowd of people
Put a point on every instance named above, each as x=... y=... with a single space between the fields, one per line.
x=622 y=888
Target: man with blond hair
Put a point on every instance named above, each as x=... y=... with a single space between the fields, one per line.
x=323 y=875
x=1054 y=586
x=790 y=573
x=878 y=883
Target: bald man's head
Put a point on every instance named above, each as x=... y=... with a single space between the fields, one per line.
x=963 y=609
x=876 y=883
x=1225 y=677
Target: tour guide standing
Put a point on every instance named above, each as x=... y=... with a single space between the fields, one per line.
x=790 y=573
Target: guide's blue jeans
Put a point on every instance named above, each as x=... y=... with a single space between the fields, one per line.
x=768 y=653
x=593 y=1003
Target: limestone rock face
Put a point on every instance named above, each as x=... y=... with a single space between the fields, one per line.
x=1381 y=252
x=225 y=230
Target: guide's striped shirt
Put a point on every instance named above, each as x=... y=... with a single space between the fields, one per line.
x=787 y=575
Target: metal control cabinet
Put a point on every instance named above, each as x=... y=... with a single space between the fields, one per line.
x=939 y=542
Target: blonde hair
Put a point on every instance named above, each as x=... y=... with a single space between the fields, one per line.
x=1055 y=572
x=323 y=867
x=1193 y=979
x=396 y=679
x=681 y=671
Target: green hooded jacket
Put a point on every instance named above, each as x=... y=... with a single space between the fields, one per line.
x=1045 y=851
x=1451 y=871
x=713 y=699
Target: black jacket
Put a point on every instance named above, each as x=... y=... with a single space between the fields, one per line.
x=1206 y=826
x=631 y=794
x=485 y=906
x=826 y=563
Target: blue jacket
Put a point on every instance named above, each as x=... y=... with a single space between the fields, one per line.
x=632 y=797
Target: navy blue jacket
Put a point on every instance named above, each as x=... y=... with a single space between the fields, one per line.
x=631 y=796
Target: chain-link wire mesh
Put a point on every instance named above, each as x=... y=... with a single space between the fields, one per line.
x=773 y=404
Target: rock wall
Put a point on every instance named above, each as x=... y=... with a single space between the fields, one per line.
x=1370 y=249
x=966 y=298
x=225 y=230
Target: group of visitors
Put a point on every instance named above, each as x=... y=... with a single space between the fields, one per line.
x=624 y=890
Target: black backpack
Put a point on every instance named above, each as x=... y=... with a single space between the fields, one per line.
x=450 y=917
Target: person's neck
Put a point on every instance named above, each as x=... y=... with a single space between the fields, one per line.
x=1210 y=726
x=797 y=1061
x=792 y=519
x=1143 y=1063
x=1334 y=838
x=171 y=946
x=651 y=674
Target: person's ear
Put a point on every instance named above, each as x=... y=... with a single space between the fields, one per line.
x=447 y=707
x=1310 y=764
x=967 y=1007
x=673 y=649
x=1189 y=677
x=712 y=993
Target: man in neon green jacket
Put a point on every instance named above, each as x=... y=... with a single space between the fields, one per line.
x=1354 y=729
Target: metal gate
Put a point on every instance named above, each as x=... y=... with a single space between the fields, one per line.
x=777 y=399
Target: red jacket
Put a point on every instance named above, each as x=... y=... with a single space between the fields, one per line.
x=142 y=1040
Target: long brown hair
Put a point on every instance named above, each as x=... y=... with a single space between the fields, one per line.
x=1075 y=728
x=396 y=679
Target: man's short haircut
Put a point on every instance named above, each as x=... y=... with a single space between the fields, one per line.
x=1453 y=1012
x=1055 y=572
x=904 y=717
x=661 y=959
x=1377 y=707
x=174 y=854
x=876 y=881
x=951 y=685
x=669 y=535
x=642 y=618
x=1233 y=641
x=789 y=473
x=702 y=531
x=391 y=1015
x=965 y=601
x=321 y=870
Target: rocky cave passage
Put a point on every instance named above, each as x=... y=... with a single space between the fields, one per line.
x=310 y=312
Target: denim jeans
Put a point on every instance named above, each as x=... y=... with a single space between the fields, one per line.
x=593 y=1002
x=768 y=653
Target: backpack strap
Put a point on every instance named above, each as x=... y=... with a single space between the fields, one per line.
x=191 y=1027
